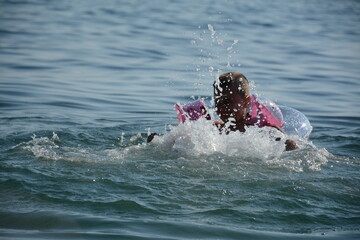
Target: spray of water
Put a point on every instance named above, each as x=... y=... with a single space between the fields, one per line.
x=215 y=51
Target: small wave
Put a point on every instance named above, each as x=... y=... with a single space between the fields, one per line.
x=42 y=147
x=50 y=149
x=68 y=104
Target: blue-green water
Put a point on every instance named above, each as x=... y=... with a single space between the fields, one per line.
x=83 y=82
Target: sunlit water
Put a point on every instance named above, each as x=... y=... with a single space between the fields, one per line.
x=83 y=83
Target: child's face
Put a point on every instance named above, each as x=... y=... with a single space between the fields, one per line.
x=230 y=105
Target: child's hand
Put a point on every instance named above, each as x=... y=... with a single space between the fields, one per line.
x=219 y=124
x=290 y=145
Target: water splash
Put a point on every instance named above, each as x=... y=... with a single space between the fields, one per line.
x=200 y=141
x=308 y=157
x=202 y=138
x=216 y=53
x=215 y=38
x=42 y=147
x=232 y=45
x=194 y=143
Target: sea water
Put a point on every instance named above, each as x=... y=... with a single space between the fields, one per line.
x=83 y=83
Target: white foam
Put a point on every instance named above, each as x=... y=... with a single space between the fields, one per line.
x=203 y=138
x=199 y=140
x=42 y=147
x=46 y=148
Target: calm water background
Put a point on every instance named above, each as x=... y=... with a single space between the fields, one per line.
x=81 y=83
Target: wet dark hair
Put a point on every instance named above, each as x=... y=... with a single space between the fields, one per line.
x=230 y=82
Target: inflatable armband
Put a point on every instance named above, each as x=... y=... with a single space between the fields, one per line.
x=264 y=112
x=295 y=122
x=191 y=111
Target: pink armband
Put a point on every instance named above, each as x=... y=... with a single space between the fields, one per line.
x=191 y=111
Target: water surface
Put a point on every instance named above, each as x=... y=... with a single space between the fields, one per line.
x=83 y=83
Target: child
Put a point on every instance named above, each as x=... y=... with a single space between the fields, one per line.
x=232 y=98
x=237 y=108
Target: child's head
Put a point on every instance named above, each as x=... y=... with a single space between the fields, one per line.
x=232 y=96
